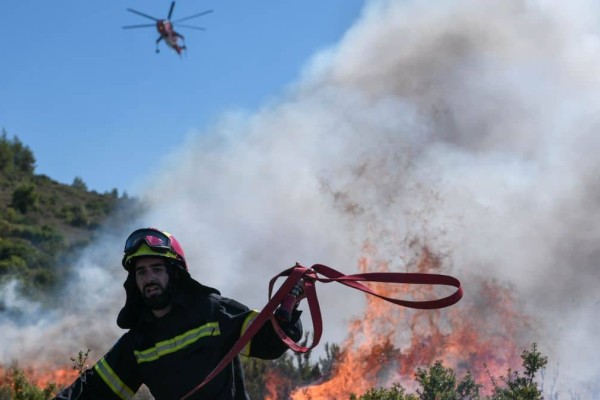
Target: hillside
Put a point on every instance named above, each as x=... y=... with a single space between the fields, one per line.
x=43 y=222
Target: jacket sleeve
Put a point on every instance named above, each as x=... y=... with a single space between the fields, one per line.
x=265 y=344
x=114 y=377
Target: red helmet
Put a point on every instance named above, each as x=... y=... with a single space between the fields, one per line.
x=153 y=242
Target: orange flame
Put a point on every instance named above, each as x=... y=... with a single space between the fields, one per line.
x=41 y=376
x=389 y=343
x=61 y=377
x=273 y=384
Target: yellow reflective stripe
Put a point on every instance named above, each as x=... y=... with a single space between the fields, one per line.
x=112 y=380
x=177 y=343
x=249 y=319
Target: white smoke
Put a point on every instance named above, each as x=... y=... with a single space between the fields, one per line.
x=467 y=124
x=81 y=316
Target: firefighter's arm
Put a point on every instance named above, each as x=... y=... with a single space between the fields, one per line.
x=114 y=376
x=235 y=319
x=266 y=344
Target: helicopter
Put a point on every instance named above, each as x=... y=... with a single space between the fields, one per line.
x=165 y=28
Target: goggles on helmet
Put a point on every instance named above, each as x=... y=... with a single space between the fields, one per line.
x=156 y=240
x=152 y=242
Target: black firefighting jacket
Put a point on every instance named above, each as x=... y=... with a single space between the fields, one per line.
x=173 y=354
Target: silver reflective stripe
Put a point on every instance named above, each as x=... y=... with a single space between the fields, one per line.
x=112 y=380
x=177 y=343
x=249 y=319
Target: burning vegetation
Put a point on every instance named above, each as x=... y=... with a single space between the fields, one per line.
x=39 y=382
x=33 y=383
x=387 y=347
x=388 y=344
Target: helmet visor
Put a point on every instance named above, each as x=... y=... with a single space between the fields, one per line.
x=156 y=240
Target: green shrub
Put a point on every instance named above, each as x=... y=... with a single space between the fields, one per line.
x=522 y=387
x=25 y=198
x=439 y=383
x=79 y=184
x=396 y=392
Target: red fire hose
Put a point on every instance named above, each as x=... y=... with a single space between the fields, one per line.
x=310 y=276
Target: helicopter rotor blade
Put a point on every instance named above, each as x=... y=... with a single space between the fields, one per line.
x=193 y=16
x=138 y=26
x=142 y=14
x=199 y=28
x=171 y=10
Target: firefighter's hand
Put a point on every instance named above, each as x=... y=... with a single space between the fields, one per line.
x=291 y=301
x=300 y=290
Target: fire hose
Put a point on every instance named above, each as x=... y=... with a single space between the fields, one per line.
x=324 y=274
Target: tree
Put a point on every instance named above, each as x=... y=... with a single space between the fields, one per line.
x=439 y=383
x=15 y=156
x=78 y=183
x=522 y=387
x=23 y=158
x=24 y=198
x=77 y=215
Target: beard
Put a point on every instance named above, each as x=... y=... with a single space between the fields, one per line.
x=158 y=300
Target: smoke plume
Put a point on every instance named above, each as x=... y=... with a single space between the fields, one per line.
x=468 y=126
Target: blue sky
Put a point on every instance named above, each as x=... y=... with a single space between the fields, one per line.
x=93 y=100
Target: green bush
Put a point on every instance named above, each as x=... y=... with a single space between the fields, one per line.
x=522 y=386
x=439 y=383
x=25 y=198
x=79 y=184
x=78 y=216
x=396 y=392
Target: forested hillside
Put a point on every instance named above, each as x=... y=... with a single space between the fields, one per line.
x=43 y=222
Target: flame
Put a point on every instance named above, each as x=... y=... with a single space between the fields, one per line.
x=61 y=377
x=389 y=343
x=271 y=385
x=41 y=376
x=274 y=383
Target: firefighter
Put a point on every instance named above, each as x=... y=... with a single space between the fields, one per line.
x=178 y=331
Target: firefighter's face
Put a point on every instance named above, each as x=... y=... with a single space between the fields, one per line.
x=152 y=279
